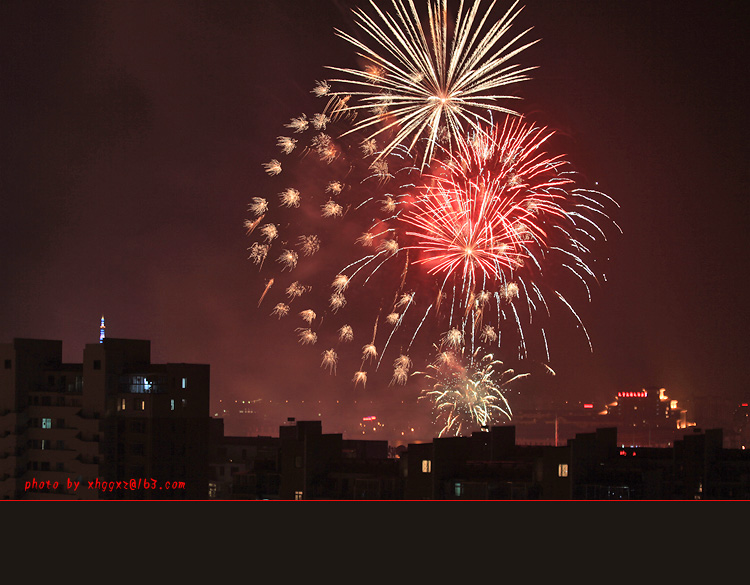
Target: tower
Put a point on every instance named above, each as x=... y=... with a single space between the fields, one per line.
x=101 y=330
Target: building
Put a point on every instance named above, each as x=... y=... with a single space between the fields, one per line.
x=243 y=468
x=595 y=465
x=488 y=465
x=115 y=426
x=317 y=465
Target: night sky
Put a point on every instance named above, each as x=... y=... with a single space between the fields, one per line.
x=134 y=137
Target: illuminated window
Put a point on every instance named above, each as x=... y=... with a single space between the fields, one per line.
x=122 y=404
x=298 y=495
x=46 y=423
x=458 y=489
x=562 y=470
x=184 y=382
x=211 y=487
x=426 y=466
x=140 y=405
x=171 y=404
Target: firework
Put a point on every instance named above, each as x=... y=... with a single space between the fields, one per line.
x=307 y=336
x=299 y=124
x=401 y=367
x=429 y=84
x=489 y=205
x=286 y=144
x=346 y=333
x=462 y=224
x=309 y=245
x=269 y=231
x=337 y=301
x=288 y=259
x=290 y=197
x=476 y=237
x=308 y=315
x=258 y=253
x=360 y=378
x=280 y=310
x=468 y=396
x=330 y=359
x=331 y=209
x=273 y=167
x=259 y=206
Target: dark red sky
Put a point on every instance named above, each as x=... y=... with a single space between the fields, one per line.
x=134 y=134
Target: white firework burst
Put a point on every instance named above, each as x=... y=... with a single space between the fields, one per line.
x=286 y=144
x=309 y=245
x=320 y=121
x=360 y=378
x=439 y=78
x=330 y=359
x=288 y=258
x=331 y=209
x=290 y=197
x=335 y=187
x=259 y=206
x=369 y=352
x=308 y=315
x=280 y=310
x=321 y=89
x=273 y=167
x=295 y=290
x=337 y=301
x=340 y=283
x=346 y=333
x=269 y=231
x=299 y=124
x=258 y=252
x=307 y=336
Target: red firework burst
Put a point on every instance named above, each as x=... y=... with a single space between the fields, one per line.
x=487 y=204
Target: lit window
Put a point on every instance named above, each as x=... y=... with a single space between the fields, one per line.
x=122 y=404
x=184 y=382
x=426 y=466
x=562 y=470
x=142 y=405
x=211 y=488
x=171 y=403
x=297 y=495
x=458 y=489
x=46 y=423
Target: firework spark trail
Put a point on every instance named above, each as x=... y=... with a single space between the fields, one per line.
x=265 y=290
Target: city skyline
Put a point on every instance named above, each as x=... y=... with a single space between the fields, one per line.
x=137 y=133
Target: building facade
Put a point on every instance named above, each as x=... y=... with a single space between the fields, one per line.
x=115 y=426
